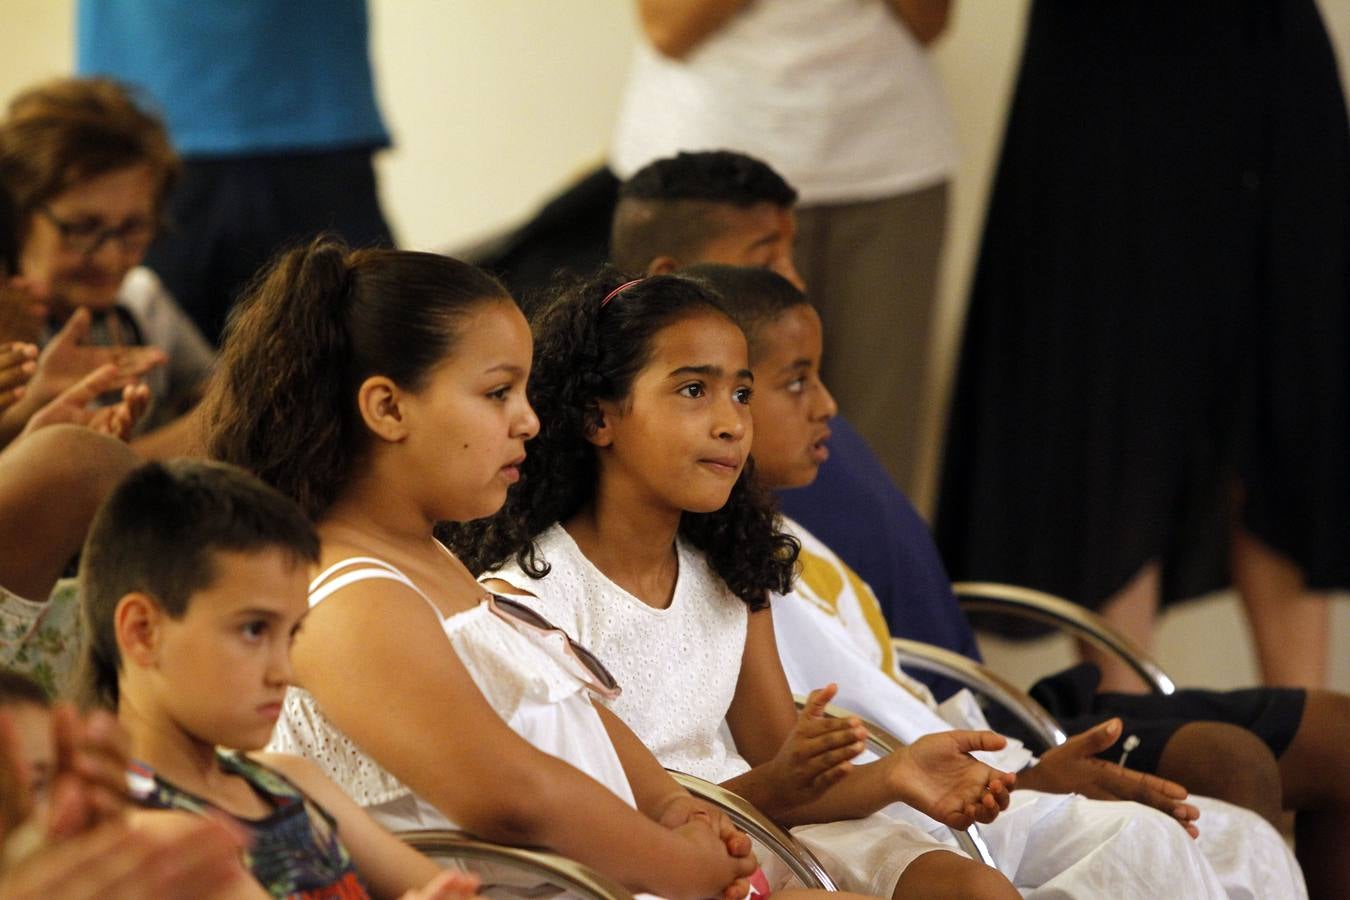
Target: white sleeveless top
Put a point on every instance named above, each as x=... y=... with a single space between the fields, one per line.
x=527 y=675
x=678 y=666
x=837 y=95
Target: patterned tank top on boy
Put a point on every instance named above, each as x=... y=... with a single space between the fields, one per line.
x=295 y=853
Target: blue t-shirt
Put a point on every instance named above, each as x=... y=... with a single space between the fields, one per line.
x=241 y=77
x=858 y=512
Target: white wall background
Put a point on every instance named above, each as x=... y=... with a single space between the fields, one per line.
x=496 y=103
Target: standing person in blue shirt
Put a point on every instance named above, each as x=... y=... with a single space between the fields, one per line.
x=272 y=106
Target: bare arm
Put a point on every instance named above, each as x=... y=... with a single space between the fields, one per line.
x=676 y=27
x=653 y=788
x=926 y=19
x=181 y=437
x=377 y=661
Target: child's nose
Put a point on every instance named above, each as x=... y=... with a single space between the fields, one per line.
x=279 y=667
x=826 y=407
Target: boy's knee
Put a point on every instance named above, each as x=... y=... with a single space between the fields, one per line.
x=941 y=873
x=1321 y=745
x=1227 y=762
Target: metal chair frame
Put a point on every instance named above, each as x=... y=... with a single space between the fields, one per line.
x=1038 y=606
x=441 y=844
x=801 y=861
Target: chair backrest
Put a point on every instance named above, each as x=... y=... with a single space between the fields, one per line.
x=1038 y=606
x=517 y=866
x=767 y=835
x=986 y=683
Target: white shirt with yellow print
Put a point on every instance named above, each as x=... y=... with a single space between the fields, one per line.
x=830 y=628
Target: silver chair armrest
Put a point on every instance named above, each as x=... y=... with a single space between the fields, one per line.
x=882 y=742
x=1007 y=599
x=982 y=680
x=447 y=844
x=761 y=829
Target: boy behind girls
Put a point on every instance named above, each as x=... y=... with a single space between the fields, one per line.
x=193 y=581
x=733 y=209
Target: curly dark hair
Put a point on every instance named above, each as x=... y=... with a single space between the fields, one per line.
x=584 y=354
x=314 y=325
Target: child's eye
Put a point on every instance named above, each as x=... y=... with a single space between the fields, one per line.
x=743 y=394
x=500 y=394
x=693 y=390
x=796 y=385
x=254 y=629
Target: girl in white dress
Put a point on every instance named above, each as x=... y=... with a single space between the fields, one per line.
x=385 y=391
x=638 y=527
x=647 y=385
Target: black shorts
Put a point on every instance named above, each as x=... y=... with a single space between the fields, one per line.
x=1272 y=714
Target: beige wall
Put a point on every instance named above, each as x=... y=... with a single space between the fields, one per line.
x=494 y=103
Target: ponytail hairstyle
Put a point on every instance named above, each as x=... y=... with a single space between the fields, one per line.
x=314 y=325
x=590 y=343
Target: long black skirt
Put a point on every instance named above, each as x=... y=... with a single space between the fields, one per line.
x=1157 y=348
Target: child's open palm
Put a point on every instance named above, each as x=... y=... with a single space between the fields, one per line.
x=937 y=776
x=817 y=752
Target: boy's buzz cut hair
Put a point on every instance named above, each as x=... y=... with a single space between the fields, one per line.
x=158 y=533
x=716 y=176
x=666 y=207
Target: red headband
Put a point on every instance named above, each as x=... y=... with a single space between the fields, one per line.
x=617 y=291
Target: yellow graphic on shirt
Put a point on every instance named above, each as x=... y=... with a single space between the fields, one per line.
x=824 y=582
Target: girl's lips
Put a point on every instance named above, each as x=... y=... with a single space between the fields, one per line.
x=270 y=711
x=511 y=471
x=725 y=465
x=819 y=450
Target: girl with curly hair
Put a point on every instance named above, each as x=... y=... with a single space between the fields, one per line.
x=638 y=527
x=385 y=391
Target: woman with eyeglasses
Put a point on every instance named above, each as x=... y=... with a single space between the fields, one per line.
x=89 y=171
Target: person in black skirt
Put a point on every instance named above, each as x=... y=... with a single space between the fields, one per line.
x=1154 y=392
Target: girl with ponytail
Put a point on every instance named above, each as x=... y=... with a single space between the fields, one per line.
x=385 y=391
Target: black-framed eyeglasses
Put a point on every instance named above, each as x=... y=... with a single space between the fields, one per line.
x=85 y=239
x=605 y=682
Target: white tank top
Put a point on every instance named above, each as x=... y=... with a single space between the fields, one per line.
x=678 y=666
x=836 y=95
x=527 y=676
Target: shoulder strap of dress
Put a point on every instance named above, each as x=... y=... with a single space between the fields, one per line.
x=329 y=582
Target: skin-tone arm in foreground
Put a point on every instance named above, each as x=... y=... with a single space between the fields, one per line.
x=377 y=647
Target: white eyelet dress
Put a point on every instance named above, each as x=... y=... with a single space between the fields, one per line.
x=679 y=667
x=527 y=676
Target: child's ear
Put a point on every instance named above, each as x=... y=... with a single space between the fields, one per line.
x=598 y=430
x=137 y=624
x=379 y=401
x=663 y=265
